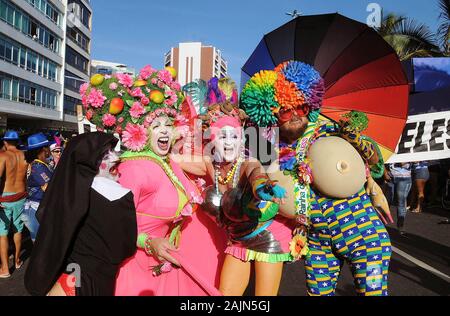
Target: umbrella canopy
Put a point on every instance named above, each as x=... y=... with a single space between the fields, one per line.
x=361 y=71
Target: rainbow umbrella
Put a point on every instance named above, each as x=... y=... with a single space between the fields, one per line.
x=361 y=71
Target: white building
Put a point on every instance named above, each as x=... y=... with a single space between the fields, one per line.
x=196 y=61
x=44 y=58
x=110 y=68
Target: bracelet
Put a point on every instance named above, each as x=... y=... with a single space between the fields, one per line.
x=143 y=243
x=142 y=237
x=258 y=183
x=148 y=248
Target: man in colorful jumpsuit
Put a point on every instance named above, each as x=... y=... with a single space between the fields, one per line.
x=338 y=230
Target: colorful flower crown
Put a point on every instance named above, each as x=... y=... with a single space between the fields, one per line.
x=290 y=86
x=127 y=106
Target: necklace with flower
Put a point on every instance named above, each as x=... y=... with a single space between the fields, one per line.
x=293 y=162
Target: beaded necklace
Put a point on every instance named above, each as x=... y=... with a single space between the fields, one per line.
x=235 y=175
x=230 y=174
x=294 y=163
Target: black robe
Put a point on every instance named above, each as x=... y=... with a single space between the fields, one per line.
x=82 y=225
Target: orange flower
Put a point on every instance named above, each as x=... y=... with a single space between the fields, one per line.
x=298 y=247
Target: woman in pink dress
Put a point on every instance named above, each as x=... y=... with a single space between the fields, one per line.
x=179 y=251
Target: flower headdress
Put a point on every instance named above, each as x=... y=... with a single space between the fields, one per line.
x=127 y=106
x=292 y=85
x=216 y=102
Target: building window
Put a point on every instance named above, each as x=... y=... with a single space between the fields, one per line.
x=72 y=82
x=47 y=9
x=76 y=60
x=19 y=90
x=70 y=105
x=25 y=24
x=104 y=71
x=17 y=54
x=76 y=36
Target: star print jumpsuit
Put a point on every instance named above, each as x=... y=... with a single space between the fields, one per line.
x=346 y=230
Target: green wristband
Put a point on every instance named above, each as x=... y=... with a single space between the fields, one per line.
x=142 y=238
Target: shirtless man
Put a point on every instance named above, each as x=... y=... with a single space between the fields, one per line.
x=13 y=169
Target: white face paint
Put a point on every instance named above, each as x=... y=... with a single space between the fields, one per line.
x=108 y=166
x=162 y=133
x=227 y=144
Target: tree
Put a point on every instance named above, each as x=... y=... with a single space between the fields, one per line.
x=408 y=37
x=443 y=32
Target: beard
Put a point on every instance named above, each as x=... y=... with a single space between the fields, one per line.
x=293 y=129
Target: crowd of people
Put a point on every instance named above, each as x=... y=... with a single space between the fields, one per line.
x=417 y=186
x=152 y=220
x=26 y=170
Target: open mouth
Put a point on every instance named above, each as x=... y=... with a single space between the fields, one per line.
x=228 y=151
x=163 y=143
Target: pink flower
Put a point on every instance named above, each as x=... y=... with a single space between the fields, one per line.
x=169 y=102
x=149 y=118
x=146 y=72
x=165 y=76
x=170 y=93
x=83 y=88
x=137 y=110
x=96 y=98
x=125 y=80
x=135 y=137
x=107 y=76
x=145 y=101
x=120 y=120
x=84 y=101
x=176 y=85
x=108 y=120
x=166 y=267
x=197 y=199
x=113 y=86
x=119 y=129
x=200 y=184
x=154 y=81
x=187 y=210
x=137 y=93
x=161 y=85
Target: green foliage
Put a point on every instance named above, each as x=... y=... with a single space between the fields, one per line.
x=408 y=37
x=443 y=32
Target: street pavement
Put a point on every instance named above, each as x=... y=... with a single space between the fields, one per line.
x=420 y=267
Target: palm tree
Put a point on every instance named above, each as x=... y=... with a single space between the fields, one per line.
x=408 y=37
x=444 y=28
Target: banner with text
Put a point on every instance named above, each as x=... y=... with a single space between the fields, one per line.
x=425 y=137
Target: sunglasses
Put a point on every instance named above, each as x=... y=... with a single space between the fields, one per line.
x=286 y=115
x=56 y=151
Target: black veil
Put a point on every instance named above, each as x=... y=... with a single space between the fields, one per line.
x=63 y=208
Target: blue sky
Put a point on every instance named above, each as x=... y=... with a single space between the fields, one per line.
x=140 y=32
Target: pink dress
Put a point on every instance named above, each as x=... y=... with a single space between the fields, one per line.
x=201 y=246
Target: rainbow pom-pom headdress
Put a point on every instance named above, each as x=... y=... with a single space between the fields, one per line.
x=291 y=85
